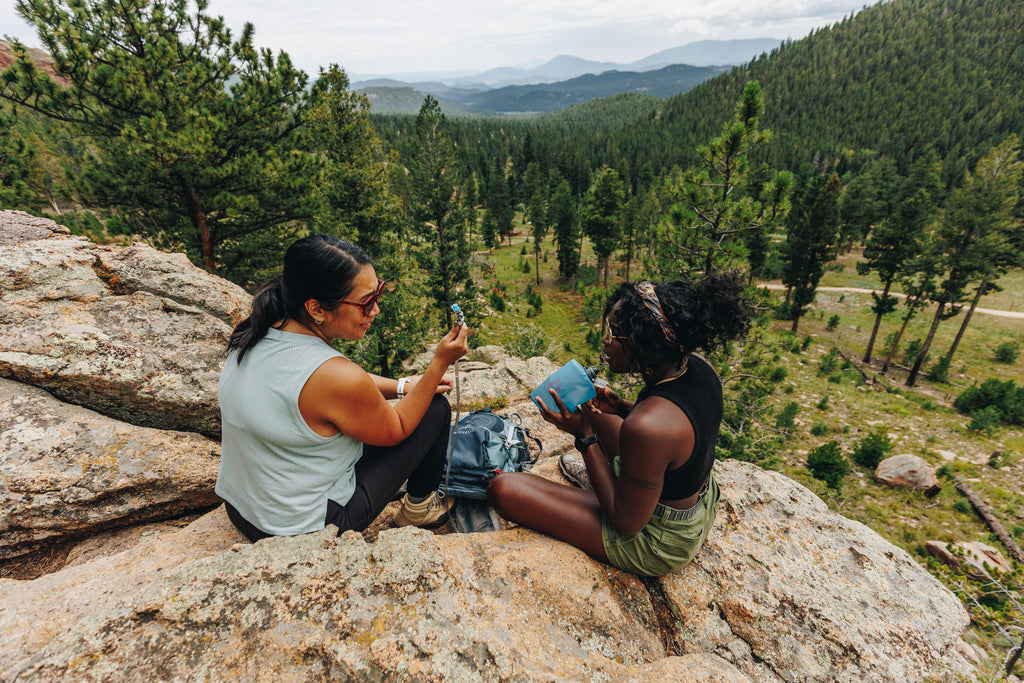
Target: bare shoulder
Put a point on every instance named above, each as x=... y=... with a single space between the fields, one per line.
x=340 y=376
x=657 y=418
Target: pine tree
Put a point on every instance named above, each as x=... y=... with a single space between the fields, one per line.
x=439 y=212
x=562 y=217
x=977 y=236
x=898 y=238
x=357 y=203
x=811 y=240
x=712 y=219
x=194 y=130
x=601 y=216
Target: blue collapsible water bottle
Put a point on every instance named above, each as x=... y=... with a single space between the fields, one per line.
x=573 y=383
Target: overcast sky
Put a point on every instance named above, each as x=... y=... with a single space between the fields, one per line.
x=391 y=36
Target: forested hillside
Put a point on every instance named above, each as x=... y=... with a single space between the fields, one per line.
x=896 y=79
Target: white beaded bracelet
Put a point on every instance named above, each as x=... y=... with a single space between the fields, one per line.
x=401 y=386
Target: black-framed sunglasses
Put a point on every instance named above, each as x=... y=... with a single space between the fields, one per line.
x=369 y=302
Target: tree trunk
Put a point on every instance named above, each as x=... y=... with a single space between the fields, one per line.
x=919 y=361
x=382 y=358
x=198 y=216
x=796 y=322
x=967 y=318
x=878 y=323
x=536 y=264
x=896 y=342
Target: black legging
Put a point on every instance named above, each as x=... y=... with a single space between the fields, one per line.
x=381 y=471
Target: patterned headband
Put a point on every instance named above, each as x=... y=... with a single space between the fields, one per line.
x=646 y=291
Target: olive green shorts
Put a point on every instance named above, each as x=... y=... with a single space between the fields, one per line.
x=665 y=544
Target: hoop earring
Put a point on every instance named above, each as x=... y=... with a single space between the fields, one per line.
x=318 y=321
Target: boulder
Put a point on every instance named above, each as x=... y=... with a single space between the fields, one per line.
x=908 y=471
x=975 y=558
x=784 y=590
x=131 y=333
x=789 y=590
x=68 y=472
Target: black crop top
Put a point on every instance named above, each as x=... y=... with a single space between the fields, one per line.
x=698 y=393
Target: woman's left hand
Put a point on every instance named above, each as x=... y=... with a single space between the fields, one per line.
x=576 y=423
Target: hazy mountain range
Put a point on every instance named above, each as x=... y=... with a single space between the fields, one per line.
x=560 y=82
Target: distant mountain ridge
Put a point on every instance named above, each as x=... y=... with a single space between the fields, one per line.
x=564 y=67
x=563 y=81
x=394 y=97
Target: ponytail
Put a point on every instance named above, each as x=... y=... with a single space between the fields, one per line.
x=268 y=307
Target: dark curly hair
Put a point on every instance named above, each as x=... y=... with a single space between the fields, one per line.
x=703 y=314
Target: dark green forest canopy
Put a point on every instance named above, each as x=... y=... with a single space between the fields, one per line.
x=894 y=80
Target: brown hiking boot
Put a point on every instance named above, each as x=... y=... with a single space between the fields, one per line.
x=574 y=469
x=429 y=513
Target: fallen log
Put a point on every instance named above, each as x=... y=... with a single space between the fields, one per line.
x=986 y=513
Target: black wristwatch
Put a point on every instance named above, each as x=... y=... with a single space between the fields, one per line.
x=583 y=444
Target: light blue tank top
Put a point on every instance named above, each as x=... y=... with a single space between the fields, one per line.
x=275 y=470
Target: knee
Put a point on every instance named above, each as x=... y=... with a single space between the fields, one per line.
x=439 y=409
x=499 y=489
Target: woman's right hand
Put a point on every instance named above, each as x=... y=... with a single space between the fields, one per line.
x=607 y=401
x=453 y=345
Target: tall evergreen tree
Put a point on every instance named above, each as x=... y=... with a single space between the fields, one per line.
x=439 y=211
x=358 y=203
x=194 y=130
x=899 y=236
x=537 y=211
x=712 y=218
x=976 y=236
x=601 y=216
x=562 y=217
x=811 y=240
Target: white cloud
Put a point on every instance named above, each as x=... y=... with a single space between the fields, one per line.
x=473 y=35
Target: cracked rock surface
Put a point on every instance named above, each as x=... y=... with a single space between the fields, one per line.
x=109 y=360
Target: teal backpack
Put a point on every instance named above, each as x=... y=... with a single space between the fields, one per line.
x=485 y=444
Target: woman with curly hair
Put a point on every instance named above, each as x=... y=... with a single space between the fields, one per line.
x=646 y=497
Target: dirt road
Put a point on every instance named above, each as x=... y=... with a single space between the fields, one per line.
x=986 y=311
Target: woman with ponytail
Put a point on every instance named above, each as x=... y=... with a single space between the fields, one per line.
x=308 y=437
x=646 y=497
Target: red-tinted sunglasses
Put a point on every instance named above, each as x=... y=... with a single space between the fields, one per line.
x=369 y=302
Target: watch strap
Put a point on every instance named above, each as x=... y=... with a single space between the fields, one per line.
x=583 y=444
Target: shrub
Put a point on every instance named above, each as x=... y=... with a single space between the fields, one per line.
x=536 y=300
x=827 y=464
x=940 y=371
x=1007 y=352
x=1006 y=397
x=872 y=449
x=911 y=352
x=829 y=362
x=784 y=420
x=806 y=343
x=528 y=341
x=823 y=403
x=986 y=420
x=833 y=323
x=819 y=428
x=497 y=303
x=777 y=374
